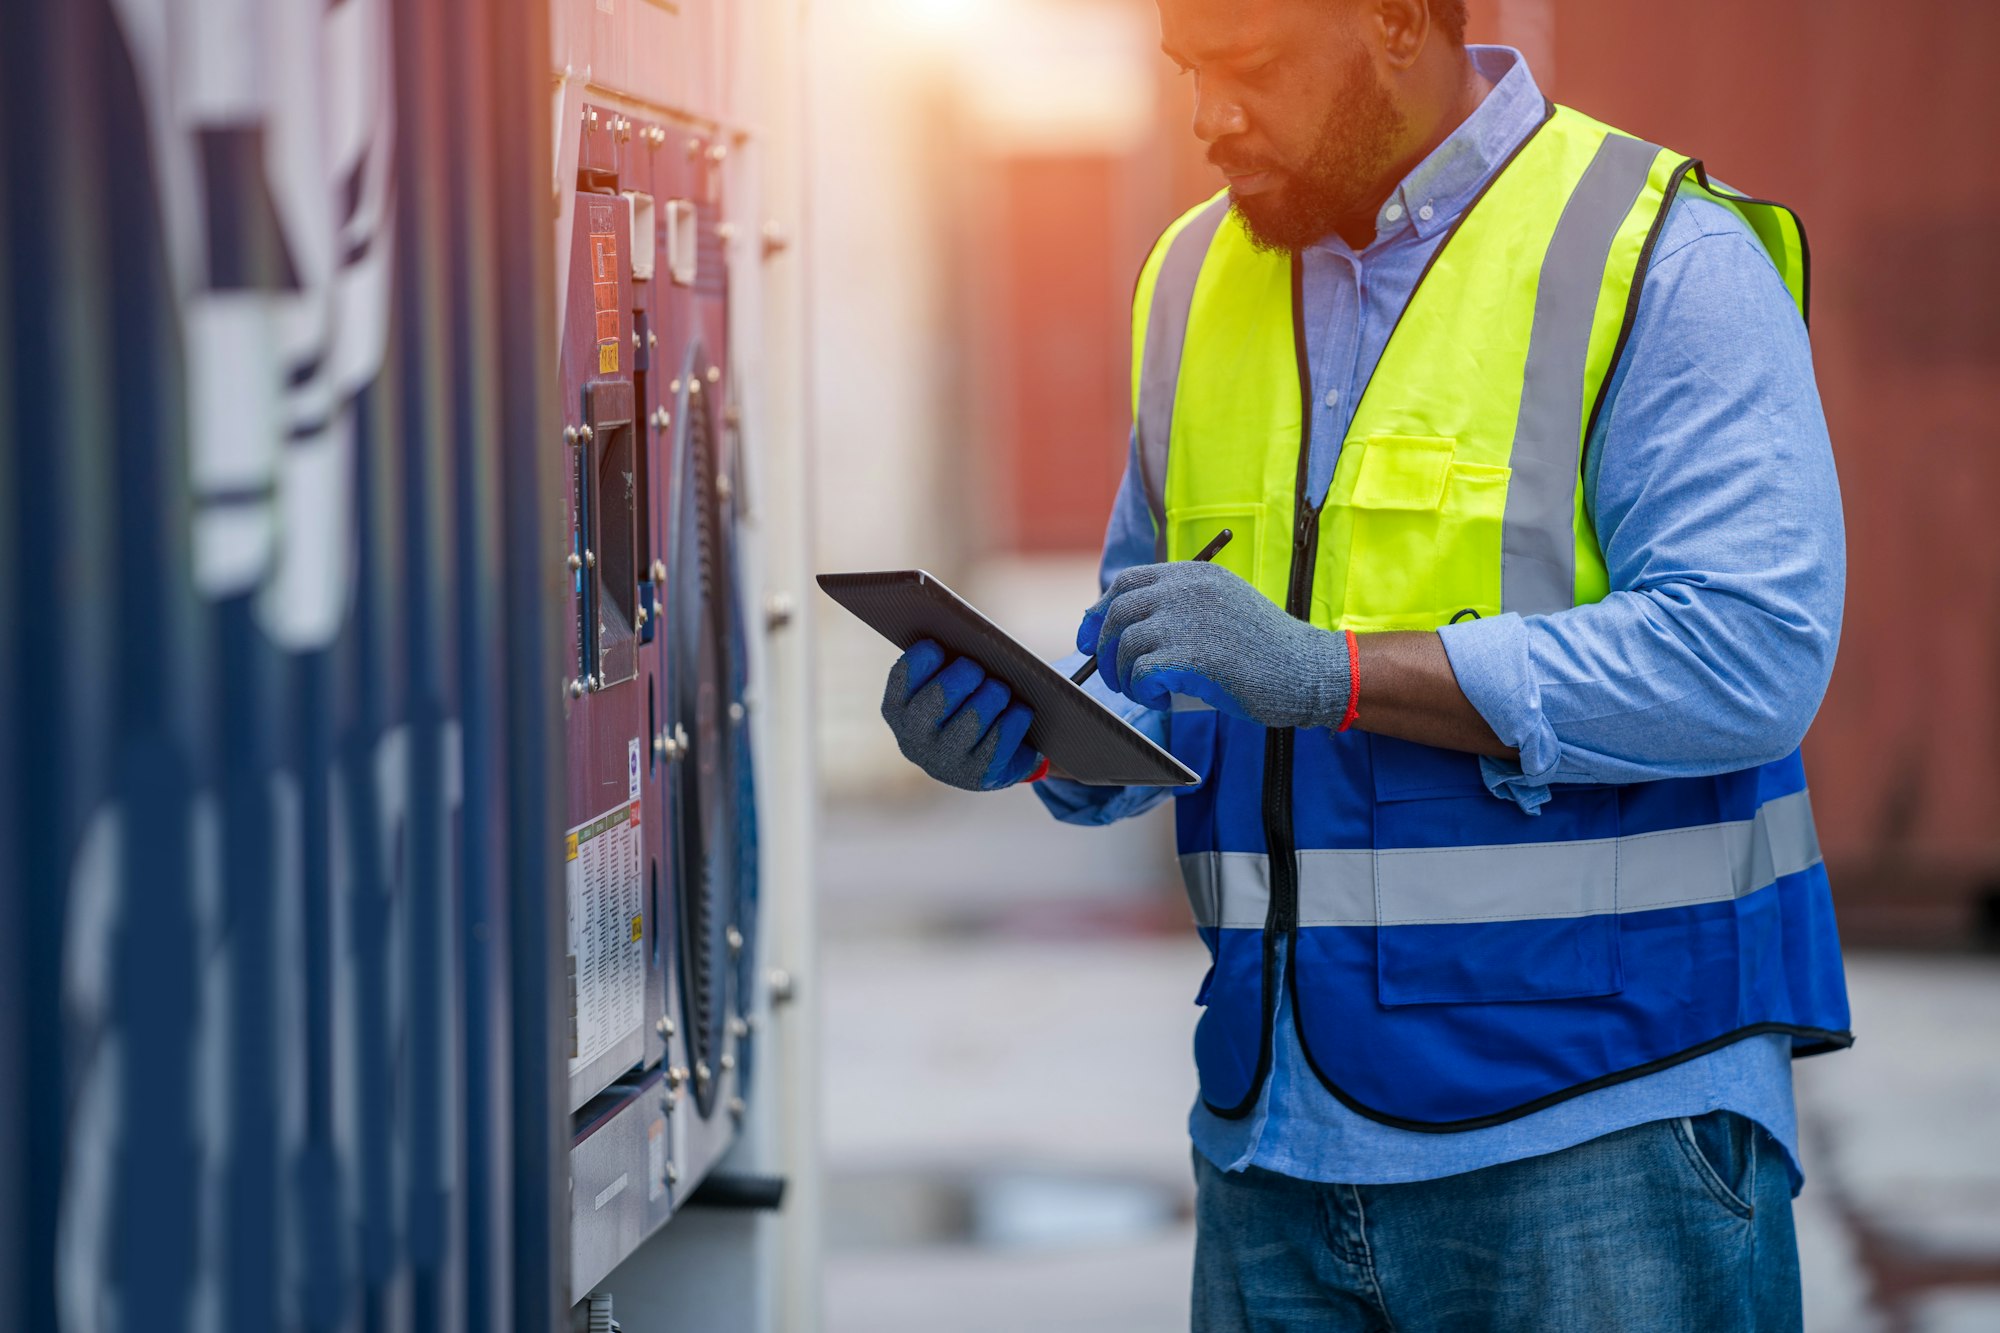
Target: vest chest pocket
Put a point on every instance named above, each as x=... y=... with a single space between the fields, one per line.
x=1476 y=902
x=1422 y=532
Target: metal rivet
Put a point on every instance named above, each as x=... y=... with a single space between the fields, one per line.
x=778 y=610
x=590 y=557
x=569 y=435
x=736 y=714
x=714 y=374
x=735 y=938
x=659 y=571
x=736 y=1107
x=694 y=386
x=585 y=433
x=718 y=152
x=702 y=1073
x=590 y=682
x=652 y=338
x=673 y=1173
x=665 y=1026
x=673 y=386
x=576 y=689
x=737 y=1027
x=575 y=561
x=676 y=1076
x=728 y=1061
x=784 y=987
x=725 y=231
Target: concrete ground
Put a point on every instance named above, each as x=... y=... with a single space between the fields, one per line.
x=1007 y=1016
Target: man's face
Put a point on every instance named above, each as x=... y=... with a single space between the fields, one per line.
x=1291 y=100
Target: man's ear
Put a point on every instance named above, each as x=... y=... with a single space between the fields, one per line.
x=1404 y=28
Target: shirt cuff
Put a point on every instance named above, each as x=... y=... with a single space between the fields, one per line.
x=1491 y=660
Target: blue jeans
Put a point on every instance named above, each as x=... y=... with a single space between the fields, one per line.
x=1672 y=1225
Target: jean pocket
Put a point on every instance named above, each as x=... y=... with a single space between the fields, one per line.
x=1472 y=906
x=1720 y=1148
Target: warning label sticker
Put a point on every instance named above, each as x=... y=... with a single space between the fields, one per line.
x=604 y=287
x=606 y=930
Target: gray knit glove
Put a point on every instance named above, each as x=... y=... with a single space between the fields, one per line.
x=1198 y=629
x=957 y=723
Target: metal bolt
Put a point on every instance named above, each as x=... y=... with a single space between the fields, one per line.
x=784 y=987
x=718 y=152
x=673 y=386
x=735 y=714
x=569 y=435
x=575 y=561
x=576 y=689
x=725 y=231
x=590 y=557
x=652 y=338
x=659 y=571
x=714 y=374
x=665 y=1026
x=585 y=433
x=778 y=611
x=736 y=1107
x=694 y=386
x=635 y=340
x=590 y=682
x=702 y=1073
x=728 y=1061
x=673 y=1173
x=638 y=615
x=737 y=1027
x=735 y=938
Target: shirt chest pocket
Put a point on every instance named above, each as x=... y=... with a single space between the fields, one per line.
x=1416 y=532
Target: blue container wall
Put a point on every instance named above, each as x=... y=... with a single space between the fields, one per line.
x=282 y=685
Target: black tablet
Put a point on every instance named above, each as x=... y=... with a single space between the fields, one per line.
x=1083 y=739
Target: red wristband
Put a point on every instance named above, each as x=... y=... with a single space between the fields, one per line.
x=1041 y=770
x=1353 y=682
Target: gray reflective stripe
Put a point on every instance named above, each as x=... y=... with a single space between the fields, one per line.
x=1229 y=889
x=1160 y=365
x=1538 y=547
x=1641 y=872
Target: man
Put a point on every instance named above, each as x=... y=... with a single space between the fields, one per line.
x=1502 y=849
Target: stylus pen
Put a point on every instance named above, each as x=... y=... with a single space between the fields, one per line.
x=1206 y=554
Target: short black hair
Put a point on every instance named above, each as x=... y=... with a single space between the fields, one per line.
x=1449 y=15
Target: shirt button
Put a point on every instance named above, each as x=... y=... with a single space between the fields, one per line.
x=1333 y=398
x=1392 y=212
x=1425 y=212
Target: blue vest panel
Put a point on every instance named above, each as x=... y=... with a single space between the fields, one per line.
x=1459 y=962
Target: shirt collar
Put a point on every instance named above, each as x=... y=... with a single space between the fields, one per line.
x=1440 y=187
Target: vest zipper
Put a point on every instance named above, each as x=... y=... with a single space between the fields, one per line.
x=1278 y=837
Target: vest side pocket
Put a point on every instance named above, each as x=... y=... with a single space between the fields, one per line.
x=1478 y=903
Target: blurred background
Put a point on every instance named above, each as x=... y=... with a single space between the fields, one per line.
x=987 y=178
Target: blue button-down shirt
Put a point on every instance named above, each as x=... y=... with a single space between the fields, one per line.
x=1710 y=483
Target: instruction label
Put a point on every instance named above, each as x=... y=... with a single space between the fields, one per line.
x=607 y=930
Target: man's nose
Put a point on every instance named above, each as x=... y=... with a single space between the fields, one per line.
x=1216 y=114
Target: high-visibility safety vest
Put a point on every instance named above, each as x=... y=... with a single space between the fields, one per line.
x=1455 y=961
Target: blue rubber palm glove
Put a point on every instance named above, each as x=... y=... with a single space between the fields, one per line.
x=1191 y=628
x=957 y=723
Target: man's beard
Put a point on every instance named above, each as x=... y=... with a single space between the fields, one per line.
x=1354 y=151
